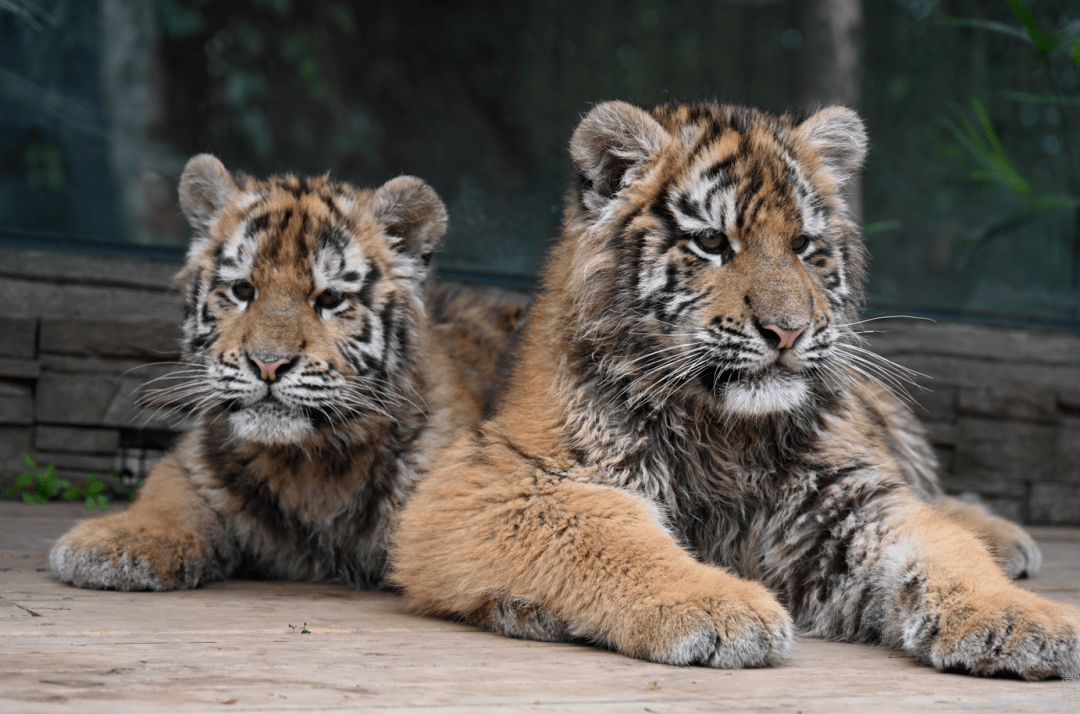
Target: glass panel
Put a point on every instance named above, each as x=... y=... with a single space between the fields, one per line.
x=480 y=98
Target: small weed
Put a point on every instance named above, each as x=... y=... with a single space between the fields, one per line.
x=46 y=485
x=303 y=629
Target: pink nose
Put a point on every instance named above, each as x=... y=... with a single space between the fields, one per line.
x=268 y=370
x=787 y=337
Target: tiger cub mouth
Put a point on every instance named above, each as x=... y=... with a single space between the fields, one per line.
x=268 y=421
x=774 y=389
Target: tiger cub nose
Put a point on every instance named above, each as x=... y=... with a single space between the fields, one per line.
x=269 y=371
x=778 y=337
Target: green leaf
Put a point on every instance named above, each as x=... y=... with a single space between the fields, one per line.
x=1075 y=55
x=34 y=498
x=94 y=485
x=70 y=494
x=985 y=25
x=1040 y=98
x=1041 y=41
x=989 y=151
x=29 y=459
x=25 y=481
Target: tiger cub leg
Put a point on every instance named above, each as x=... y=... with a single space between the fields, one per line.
x=549 y=558
x=926 y=585
x=168 y=539
x=1009 y=544
x=520 y=619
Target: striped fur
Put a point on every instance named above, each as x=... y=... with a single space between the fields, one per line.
x=689 y=461
x=297 y=472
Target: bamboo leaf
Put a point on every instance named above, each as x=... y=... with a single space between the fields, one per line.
x=1041 y=41
x=1033 y=98
x=989 y=25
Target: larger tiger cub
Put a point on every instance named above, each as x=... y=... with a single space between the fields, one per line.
x=323 y=389
x=687 y=463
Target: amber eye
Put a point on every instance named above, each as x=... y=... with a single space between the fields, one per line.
x=799 y=244
x=712 y=242
x=243 y=290
x=329 y=300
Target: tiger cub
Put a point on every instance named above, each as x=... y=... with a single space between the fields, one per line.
x=687 y=463
x=322 y=388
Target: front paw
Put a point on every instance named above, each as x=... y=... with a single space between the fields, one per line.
x=1015 y=633
x=742 y=627
x=102 y=554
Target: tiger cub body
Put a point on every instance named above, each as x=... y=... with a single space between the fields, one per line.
x=688 y=462
x=322 y=388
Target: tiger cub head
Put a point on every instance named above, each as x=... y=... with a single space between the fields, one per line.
x=303 y=298
x=714 y=244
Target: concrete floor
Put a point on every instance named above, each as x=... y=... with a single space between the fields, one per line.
x=237 y=646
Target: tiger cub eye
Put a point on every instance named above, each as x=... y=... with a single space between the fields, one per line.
x=799 y=244
x=712 y=242
x=243 y=290
x=329 y=300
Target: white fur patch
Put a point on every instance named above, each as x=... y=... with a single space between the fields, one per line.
x=270 y=424
x=766 y=394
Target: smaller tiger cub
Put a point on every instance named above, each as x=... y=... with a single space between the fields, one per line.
x=321 y=387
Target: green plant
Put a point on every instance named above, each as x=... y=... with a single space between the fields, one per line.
x=46 y=485
x=1058 y=52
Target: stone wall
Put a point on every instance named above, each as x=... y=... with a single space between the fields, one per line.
x=1002 y=410
x=77 y=334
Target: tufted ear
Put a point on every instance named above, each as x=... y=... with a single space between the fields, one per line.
x=611 y=141
x=205 y=188
x=838 y=136
x=412 y=212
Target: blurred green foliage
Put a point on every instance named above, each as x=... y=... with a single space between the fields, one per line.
x=46 y=485
x=974 y=154
x=1060 y=52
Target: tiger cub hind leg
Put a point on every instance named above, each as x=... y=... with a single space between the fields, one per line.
x=520 y=619
x=169 y=539
x=1009 y=544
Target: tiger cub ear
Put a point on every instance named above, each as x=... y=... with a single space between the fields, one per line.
x=411 y=212
x=837 y=136
x=205 y=188
x=613 y=140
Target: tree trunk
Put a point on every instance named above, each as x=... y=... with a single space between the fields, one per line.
x=146 y=169
x=832 y=68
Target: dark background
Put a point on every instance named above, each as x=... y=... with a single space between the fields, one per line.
x=103 y=101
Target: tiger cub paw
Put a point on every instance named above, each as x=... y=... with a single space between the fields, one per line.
x=103 y=555
x=1024 y=635
x=742 y=627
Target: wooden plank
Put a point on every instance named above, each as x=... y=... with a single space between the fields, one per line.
x=1028 y=345
x=30 y=299
x=146 y=340
x=80 y=268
